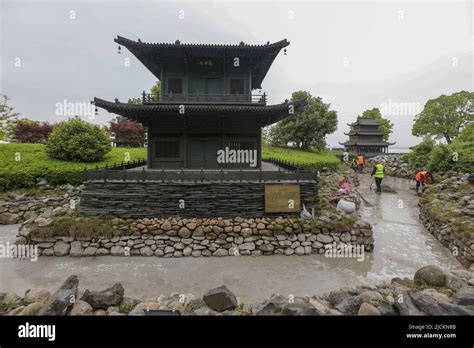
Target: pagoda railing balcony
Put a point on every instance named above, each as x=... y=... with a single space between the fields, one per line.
x=260 y=99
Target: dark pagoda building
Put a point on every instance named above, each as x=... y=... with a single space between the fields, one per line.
x=207 y=101
x=365 y=137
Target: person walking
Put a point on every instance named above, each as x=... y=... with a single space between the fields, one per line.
x=378 y=172
x=361 y=162
x=355 y=164
x=421 y=179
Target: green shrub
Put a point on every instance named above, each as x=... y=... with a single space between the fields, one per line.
x=419 y=156
x=440 y=159
x=457 y=156
x=78 y=141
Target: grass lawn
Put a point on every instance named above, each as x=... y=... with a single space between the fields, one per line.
x=22 y=164
x=303 y=159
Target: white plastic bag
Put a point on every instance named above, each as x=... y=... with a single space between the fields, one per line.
x=346 y=206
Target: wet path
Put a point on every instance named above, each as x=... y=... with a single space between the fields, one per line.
x=401 y=247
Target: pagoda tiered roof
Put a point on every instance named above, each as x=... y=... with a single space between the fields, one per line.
x=361 y=121
x=365 y=132
x=150 y=54
x=268 y=114
x=366 y=143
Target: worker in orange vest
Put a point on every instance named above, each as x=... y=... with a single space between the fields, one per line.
x=421 y=178
x=361 y=162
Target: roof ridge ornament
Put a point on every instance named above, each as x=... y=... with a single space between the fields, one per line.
x=177 y=42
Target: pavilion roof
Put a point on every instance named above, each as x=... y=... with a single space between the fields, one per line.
x=362 y=121
x=150 y=54
x=366 y=143
x=365 y=132
x=268 y=114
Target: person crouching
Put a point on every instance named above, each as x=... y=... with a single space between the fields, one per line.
x=421 y=179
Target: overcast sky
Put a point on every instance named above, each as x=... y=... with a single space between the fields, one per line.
x=355 y=55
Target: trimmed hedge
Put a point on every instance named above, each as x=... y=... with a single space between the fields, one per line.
x=303 y=159
x=34 y=164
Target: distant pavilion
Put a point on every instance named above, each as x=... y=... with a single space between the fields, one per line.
x=366 y=137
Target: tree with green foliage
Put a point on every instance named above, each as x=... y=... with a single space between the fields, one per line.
x=78 y=141
x=385 y=125
x=419 y=155
x=457 y=156
x=308 y=127
x=445 y=116
x=155 y=91
x=7 y=117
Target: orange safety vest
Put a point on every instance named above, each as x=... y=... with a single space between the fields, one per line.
x=421 y=175
x=360 y=159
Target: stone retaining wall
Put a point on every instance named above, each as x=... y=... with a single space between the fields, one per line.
x=139 y=199
x=447 y=212
x=212 y=237
x=18 y=208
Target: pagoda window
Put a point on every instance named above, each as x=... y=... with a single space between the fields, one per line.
x=168 y=149
x=175 y=86
x=237 y=86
